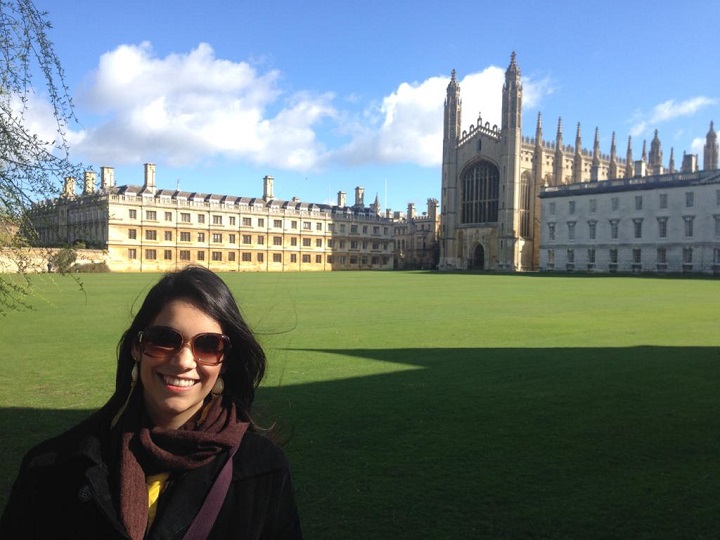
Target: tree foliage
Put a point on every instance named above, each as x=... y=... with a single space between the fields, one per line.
x=30 y=164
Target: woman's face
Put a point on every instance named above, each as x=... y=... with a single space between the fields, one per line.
x=175 y=387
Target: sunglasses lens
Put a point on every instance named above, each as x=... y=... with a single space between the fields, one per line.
x=161 y=341
x=209 y=347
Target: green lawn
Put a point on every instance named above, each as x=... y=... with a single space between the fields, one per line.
x=423 y=405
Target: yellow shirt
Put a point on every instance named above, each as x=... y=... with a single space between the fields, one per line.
x=154 y=484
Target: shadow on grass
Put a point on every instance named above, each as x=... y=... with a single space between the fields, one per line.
x=492 y=443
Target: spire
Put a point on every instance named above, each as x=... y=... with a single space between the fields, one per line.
x=671 y=165
x=512 y=97
x=559 y=141
x=578 y=140
x=612 y=167
x=538 y=129
x=578 y=161
x=595 y=167
x=656 y=155
x=710 y=154
x=453 y=109
x=629 y=169
x=644 y=152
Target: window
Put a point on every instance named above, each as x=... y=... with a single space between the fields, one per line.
x=200 y=255
x=150 y=254
x=306 y=226
x=168 y=255
x=593 y=205
x=480 y=194
x=353 y=229
x=277 y=257
x=293 y=258
x=385 y=231
x=638 y=202
x=217 y=220
x=260 y=257
x=662 y=227
x=201 y=218
x=342 y=227
x=132 y=214
x=342 y=244
x=231 y=256
x=330 y=258
x=717 y=225
x=168 y=216
x=132 y=253
x=592 y=230
x=614 y=228
x=246 y=257
x=132 y=234
x=662 y=256
x=184 y=236
x=551 y=231
x=688 y=226
x=293 y=224
x=261 y=239
x=717 y=197
x=246 y=239
x=151 y=234
x=689 y=199
x=185 y=217
x=365 y=229
x=231 y=219
x=663 y=200
x=247 y=222
x=376 y=245
x=216 y=255
x=231 y=238
x=277 y=223
x=353 y=244
x=376 y=230
x=184 y=254
x=168 y=236
x=261 y=222
x=716 y=256
x=318 y=259
x=591 y=256
x=571 y=256
x=318 y=242
x=637 y=227
x=330 y=243
x=613 y=256
x=306 y=258
x=277 y=240
x=201 y=237
x=614 y=204
x=217 y=238
x=318 y=226
x=151 y=215
x=551 y=257
x=687 y=255
x=571 y=230
x=637 y=255
x=293 y=241
x=552 y=209
x=306 y=242
x=571 y=207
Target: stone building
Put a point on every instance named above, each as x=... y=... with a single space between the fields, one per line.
x=416 y=238
x=493 y=177
x=148 y=229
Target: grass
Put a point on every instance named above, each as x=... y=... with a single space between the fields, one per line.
x=433 y=406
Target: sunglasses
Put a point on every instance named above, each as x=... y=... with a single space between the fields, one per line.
x=163 y=342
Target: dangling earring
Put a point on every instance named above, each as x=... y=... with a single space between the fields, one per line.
x=133 y=383
x=219 y=387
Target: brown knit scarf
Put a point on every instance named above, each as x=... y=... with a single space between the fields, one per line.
x=146 y=449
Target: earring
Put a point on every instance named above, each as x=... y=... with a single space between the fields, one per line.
x=219 y=387
x=134 y=373
x=133 y=383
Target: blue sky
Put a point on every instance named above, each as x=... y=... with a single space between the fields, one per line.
x=327 y=96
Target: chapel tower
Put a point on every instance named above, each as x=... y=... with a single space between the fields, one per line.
x=451 y=134
x=710 y=154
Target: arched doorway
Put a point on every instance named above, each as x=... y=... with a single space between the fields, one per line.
x=478 y=259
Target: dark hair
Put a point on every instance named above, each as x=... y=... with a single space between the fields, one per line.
x=244 y=365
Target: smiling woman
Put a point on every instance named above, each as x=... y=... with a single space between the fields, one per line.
x=174 y=452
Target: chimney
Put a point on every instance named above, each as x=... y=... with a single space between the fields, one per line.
x=341 y=199
x=689 y=163
x=268 y=187
x=640 y=167
x=107 y=177
x=89 y=183
x=411 y=211
x=69 y=187
x=149 y=177
x=359 y=196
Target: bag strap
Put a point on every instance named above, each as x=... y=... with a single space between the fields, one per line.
x=205 y=518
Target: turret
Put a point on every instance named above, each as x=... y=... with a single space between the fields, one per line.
x=89 y=183
x=559 y=156
x=710 y=153
x=268 y=187
x=613 y=166
x=655 y=163
x=595 y=168
x=578 y=161
x=629 y=167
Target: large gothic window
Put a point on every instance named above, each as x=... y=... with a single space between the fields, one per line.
x=524 y=214
x=480 y=193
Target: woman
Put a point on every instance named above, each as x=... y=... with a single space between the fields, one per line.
x=174 y=452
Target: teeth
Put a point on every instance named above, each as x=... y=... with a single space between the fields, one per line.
x=174 y=381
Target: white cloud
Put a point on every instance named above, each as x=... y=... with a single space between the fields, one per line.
x=188 y=107
x=669 y=110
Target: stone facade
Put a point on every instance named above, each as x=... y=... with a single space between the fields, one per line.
x=416 y=238
x=146 y=229
x=493 y=177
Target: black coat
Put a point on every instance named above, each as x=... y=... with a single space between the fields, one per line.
x=64 y=491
